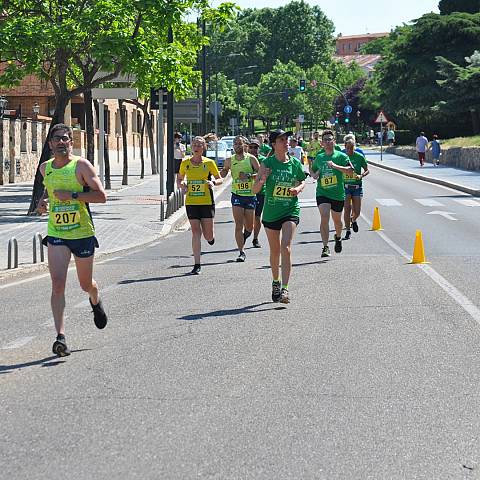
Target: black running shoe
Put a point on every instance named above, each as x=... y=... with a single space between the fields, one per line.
x=338 y=244
x=256 y=243
x=348 y=234
x=355 y=226
x=99 y=315
x=326 y=251
x=60 y=347
x=246 y=234
x=211 y=242
x=276 y=291
x=242 y=257
x=196 y=269
x=284 y=298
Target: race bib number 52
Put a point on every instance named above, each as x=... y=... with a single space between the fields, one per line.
x=196 y=188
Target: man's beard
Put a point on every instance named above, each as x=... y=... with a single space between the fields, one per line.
x=61 y=150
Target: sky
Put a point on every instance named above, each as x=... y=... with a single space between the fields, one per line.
x=353 y=17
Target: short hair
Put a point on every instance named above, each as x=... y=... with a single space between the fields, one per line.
x=177 y=135
x=350 y=138
x=61 y=126
x=435 y=137
x=240 y=138
x=328 y=132
x=199 y=139
x=422 y=134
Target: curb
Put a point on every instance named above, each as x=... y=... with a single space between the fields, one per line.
x=455 y=186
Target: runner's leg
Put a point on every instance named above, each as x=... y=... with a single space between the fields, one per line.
x=248 y=220
x=238 y=217
x=85 y=277
x=356 y=207
x=337 y=221
x=324 y=209
x=58 y=260
x=273 y=237
x=288 y=231
x=207 y=229
x=347 y=211
x=196 y=239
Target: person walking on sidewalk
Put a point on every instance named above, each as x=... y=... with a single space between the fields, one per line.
x=243 y=167
x=436 y=150
x=328 y=169
x=284 y=178
x=201 y=176
x=71 y=184
x=353 y=185
x=421 y=144
x=179 y=151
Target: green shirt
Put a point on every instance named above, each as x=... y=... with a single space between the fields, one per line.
x=265 y=149
x=330 y=183
x=358 y=162
x=261 y=159
x=279 y=203
x=67 y=219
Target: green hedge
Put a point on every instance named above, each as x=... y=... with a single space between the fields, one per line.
x=404 y=137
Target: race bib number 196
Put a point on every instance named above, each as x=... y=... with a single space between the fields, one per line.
x=244 y=187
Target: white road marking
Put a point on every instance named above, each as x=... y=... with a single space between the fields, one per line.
x=467 y=202
x=307 y=202
x=442 y=282
x=19 y=342
x=388 y=202
x=20 y=282
x=223 y=204
x=429 y=202
x=447 y=215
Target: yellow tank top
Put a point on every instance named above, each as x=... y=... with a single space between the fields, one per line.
x=68 y=219
x=242 y=187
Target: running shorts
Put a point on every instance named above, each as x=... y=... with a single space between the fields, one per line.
x=248 y=203
x=277 y=224
x=197 y=212
x=81 y=248
x=336 y=205
x=354 y=190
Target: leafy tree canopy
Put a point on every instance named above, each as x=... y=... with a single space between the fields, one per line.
x=448 y=7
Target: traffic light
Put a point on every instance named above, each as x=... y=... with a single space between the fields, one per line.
x=336 y=117
x=347 y=119
x=303 y=85
x=154 y=101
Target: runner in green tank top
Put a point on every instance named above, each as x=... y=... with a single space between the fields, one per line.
x=284 y=178
x=70 y=185
x=253 y=149
x=243 y=167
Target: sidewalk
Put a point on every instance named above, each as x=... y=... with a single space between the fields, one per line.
x=463 y=180
x=131 y=216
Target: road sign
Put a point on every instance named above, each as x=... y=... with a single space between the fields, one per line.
x=381 y=118
x=215 y=108
x=114 y=93
x=301 y=118
x=348 y=109
x=233 y=122
x=188 y=111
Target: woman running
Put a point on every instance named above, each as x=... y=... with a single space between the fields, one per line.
x=353 y=185
x=284 y=178
x=200 y=205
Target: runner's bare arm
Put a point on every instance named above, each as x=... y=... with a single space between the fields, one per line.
x=226 y=167
x=348 y=169
x=218 y=180
x=261 y=178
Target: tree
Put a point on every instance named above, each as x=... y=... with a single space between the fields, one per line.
x=461 y=86
x=448 y=7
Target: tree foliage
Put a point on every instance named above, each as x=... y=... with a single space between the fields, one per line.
x=448 y=7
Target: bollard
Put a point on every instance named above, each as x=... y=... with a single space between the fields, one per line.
x=38 y=237
x=162 y=211
x=12 y=243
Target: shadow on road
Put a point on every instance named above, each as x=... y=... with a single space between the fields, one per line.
x=233 y=311
x=154 y=279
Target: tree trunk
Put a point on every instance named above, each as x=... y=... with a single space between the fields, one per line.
x=142 y=158
x=89 y=126
x=58 y=117
x=151 y=141
x=124 y=142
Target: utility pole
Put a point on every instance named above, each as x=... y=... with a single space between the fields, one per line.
x=204 y=81
x=170 y=133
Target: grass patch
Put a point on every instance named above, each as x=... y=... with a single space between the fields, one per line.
x=461 y=142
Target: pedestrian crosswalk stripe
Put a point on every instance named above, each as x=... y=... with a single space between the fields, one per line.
x=388 y=202
x=429 y=202
x=223 y=204
x=467 y=202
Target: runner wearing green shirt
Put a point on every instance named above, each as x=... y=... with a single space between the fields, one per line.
x=353 y=185
x=265 y=149
x=71 y=184
x=313 y=147
x=328 y=169
x=284 y=179
x=253 y=149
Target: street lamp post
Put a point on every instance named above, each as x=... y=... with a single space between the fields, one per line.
x=3 y=105
x=237 y=78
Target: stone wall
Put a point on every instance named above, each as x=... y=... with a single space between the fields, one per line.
x=466 y=158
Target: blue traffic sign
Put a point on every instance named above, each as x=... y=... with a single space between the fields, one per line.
x=348 y=109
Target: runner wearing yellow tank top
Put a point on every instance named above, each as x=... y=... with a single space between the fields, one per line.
x=243 y=167
x=70 y=185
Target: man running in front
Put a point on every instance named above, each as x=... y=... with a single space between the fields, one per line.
x=70 y=185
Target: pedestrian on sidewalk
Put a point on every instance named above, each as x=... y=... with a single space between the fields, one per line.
x=201 y=175
x=179 y=151
x=390 y=137
x=436 y=150
x=421 y=145
x=71 y=184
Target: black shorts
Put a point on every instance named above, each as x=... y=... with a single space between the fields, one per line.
x=336 y=205
x=277 y=224
x=259 y=205
x=197 y=212
x=81 y=248
x=177 y=162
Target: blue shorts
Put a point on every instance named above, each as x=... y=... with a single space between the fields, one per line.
x=248 y=203
x=354 y=190
x=81 y=248
x=260 y=204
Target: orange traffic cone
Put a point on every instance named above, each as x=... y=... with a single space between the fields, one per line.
x=377 y=224
x=418 y=250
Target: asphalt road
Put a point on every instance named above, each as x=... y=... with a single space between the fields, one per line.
x=372 y=372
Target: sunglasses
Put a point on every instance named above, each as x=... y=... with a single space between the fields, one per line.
x=61 y=138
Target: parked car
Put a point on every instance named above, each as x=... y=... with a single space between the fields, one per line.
x=229 y=142
x=222 y=152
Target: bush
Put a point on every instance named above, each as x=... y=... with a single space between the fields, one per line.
x=404 y=137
